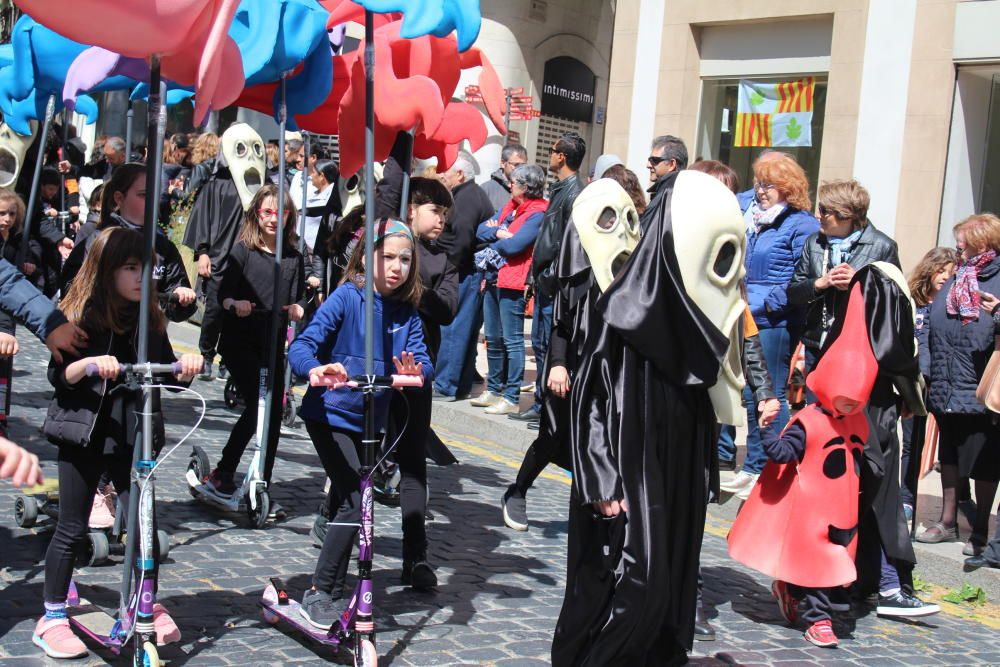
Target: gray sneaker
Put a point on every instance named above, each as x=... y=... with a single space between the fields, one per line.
x=319 y=609
x=515 y=509
x=206 y=374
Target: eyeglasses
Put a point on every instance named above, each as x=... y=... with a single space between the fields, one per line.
x=764 y=186
x=553 y=150
x=656 y=159
x=267 y=212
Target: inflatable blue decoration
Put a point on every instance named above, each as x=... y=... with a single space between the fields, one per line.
x=434 y=17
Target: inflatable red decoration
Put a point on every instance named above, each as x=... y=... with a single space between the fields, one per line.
x=800 y=522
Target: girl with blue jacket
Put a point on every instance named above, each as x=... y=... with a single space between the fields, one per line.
x=334 y=345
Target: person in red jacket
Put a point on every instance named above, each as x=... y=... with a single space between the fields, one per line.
x=505 y=263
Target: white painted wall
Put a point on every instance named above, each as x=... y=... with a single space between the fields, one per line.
x=768 y=48
x=976 y=30
x=645 y=85
x=882 y=111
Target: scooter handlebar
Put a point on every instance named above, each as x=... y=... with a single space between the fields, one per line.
x=394 y=381
x=154 y=369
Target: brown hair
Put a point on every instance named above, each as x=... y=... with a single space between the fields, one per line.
x=251 y=235
x=92 y=301
x=720 y=172
x=847 y=200
x=6 y=194
x=935 y=261
x=272 y=154
x=626 y=178
x=122 y=179
x=785 y=174
x=206 y=147
x=412 y=288
x=981 y=231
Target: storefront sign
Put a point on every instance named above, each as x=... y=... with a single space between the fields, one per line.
x=568 y=90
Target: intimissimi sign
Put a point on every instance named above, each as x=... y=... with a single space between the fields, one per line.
x=568 y=90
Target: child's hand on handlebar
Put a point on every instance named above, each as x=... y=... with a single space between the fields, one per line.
x=191 y=365
x=405 y=364
x=108 y=367
x=18 y=465
x=185 y=296
x=242 y=308
x=295 y=312
x=336 y=371
x=8 y=345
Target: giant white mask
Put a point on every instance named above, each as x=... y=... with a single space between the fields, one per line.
x=243 y=152
x=352 y=190
x=608 y=226
x=710 y=245
x=13 y=147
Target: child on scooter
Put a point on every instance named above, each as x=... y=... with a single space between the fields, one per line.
x=334 y=345
x=92 y=419
x=246 y=294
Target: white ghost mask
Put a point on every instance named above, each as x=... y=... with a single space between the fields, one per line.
x=710 y=244
x=608 y=226
x=243 y=152
x=13 y=147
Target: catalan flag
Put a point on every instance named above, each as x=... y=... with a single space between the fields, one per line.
x=775 y=114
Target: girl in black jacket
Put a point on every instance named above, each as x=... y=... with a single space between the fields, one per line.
x=246 y=294
x=124 y=205
x=92 y=419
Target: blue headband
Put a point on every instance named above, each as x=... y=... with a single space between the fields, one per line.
x=388 y=227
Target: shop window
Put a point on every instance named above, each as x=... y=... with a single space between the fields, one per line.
x=550 y=129
x=717 y=125
x=990 y=196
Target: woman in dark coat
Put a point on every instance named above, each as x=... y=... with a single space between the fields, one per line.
x=961 y=341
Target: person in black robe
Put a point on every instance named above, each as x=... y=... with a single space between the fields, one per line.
x=642 y=432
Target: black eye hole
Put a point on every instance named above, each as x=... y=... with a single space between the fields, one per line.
x=724 y=260
x=258 y=149
x=633 y=221
x=856 y=453
x=241 y=148
x=607 y=219
x=835 y=464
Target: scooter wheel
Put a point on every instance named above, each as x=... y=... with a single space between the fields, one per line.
x=98 y=549
x=258 y=517
x=164 y=539
x=25 y=511
x=230 y=395
x=150 y=656
x=199 y=465
x=288 y=411
x=366 y=655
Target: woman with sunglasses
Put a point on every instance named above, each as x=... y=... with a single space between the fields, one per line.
x=778 y=223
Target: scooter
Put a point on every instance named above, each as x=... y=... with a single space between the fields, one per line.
x=356 y=624
x=134 y=619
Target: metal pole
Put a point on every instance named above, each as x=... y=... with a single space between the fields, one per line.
x=369 y=202
x=43 y=139
x=404 y=199
x=307 y=146
x=506 y=116
x=272 y=363
x=62 y=156
x=129 y=119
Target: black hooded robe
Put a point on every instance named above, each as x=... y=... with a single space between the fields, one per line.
x=642 y=429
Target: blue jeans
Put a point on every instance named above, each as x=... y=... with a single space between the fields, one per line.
x=727 y=443
x=503 y=319
x=456 y=363
x=778 y=347
x=541 y=332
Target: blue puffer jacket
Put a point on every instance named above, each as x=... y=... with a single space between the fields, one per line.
x=959 y=352
x=770 y=261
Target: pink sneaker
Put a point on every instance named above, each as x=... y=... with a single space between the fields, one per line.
x=102 y=511
x=167 y=631
x=56 y=638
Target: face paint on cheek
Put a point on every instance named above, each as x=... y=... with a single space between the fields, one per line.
x=405 y=262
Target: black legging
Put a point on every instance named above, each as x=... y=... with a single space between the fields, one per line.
x=211 y=320
x=411 y=456
x=80 y=471
x=245 y=371
x=338 y=452
x=543 y=451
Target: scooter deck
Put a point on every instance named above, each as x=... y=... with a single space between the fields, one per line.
x=291 y=613
x=95 y=623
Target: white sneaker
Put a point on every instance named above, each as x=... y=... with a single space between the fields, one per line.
x=740 y=483
x=486 y=399
x=503 y=407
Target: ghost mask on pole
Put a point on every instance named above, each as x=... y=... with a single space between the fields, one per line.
x=243 y=152
x=13 y=148
x=608 y=226
x=711 y=245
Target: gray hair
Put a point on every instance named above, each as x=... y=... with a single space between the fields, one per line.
x=673 y=149
x=532 y=178
x=510 y=150
x=117 y=144
x=465 y=164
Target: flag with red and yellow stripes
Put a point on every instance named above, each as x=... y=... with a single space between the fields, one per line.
x=775 y=113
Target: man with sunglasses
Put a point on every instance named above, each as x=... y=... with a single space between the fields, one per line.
x=667 y=158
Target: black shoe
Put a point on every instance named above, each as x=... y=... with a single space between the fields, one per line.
x=442 y=398
x=977 y=562
x=206 y=371
x=529 y=415
x=901 y=604
x=319 y=609
x=703 y=630
x=729 y=464
x=534 y=426
x=419 y=575
x=223 y=371
x=515 y=509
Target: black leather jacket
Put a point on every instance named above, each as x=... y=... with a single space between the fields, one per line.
x=872 y=246
x=755 y=369
x=544 y=271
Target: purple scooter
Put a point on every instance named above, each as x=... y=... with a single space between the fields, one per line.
x=357 y=623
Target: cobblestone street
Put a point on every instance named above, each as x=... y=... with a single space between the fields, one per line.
x=499 y=594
